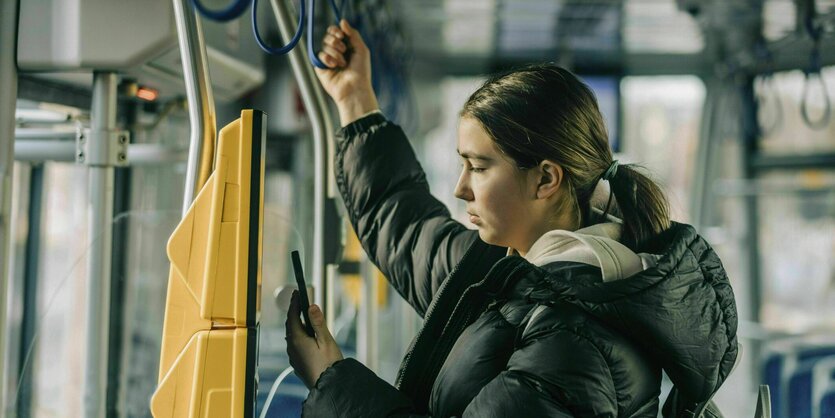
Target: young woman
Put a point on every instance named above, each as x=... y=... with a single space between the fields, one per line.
x=552 y=307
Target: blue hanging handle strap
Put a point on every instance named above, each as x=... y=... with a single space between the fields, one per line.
x=233 y=11
x=238 y=7
x=283 y=49
x=310 y=51
x=337 y=11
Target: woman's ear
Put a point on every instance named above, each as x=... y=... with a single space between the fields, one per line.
x=550 y=176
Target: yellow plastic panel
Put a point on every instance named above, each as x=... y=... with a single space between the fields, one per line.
x=209 y=350
x=231 y=225
x=208 y=379
x=187 y=252
x=182 y=321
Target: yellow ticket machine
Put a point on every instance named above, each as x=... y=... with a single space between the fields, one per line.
x=210 y=335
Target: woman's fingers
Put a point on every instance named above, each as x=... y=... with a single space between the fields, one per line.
x=336 y=55
x=336 y=32
x=348 y=76
x=328 y=60
x=353 y=36
x=334 y=43
x=317 y=320
x=346 y=27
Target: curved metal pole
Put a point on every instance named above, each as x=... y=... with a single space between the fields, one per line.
x=201 y=104
x=323 y=149
x=8 y=98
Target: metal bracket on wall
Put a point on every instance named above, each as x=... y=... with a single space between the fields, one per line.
x=103 y=148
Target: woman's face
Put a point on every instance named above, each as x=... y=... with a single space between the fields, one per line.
x=500 y=198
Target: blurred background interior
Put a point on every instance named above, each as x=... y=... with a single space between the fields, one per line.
x=727 y=102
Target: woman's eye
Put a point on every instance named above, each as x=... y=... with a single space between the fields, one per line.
x=476 y=170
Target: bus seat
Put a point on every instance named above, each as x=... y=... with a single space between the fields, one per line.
x=782 y=361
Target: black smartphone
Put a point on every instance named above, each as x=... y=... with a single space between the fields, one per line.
x=304 y=302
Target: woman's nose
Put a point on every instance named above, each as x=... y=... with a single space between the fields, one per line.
x=462 y=189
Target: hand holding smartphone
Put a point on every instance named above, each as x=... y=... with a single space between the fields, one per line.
x=304 y=302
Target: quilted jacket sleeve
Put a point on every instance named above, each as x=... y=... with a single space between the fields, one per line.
x=406 y=232
x=554 y=372
x=349 y=389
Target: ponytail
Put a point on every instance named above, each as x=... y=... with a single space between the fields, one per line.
x=643 y=207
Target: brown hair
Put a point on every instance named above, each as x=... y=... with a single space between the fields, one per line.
x=544 y=112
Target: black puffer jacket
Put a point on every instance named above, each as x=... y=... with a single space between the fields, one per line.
x=502 y=337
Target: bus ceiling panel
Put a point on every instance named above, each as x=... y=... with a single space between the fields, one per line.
x=630 y=36
x=64 y=41
x=781 y=17
x=587 y=63
x=651 y=26
x=603 y=36
x=499 y=29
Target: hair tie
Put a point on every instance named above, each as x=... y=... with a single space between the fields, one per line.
x=611 y=172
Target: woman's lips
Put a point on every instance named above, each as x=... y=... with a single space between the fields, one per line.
x=475 y=219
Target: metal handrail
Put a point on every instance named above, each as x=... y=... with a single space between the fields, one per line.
x=201 y=104
x=323 y=149
x=39 y=150
x=8 y=97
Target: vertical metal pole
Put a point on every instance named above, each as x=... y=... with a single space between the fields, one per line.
x=120 y=328
x=201 y=104
x=100 y=236
x=750 y=137
x=28 y=292
x=323 y=149
x=8 y=98
x=703 y=168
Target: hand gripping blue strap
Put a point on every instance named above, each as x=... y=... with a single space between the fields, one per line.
x=310 y=52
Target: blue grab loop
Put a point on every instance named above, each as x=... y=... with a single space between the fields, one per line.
x=310 y=51
x=337 y=11
x=233 y=11
x=283 y=49
x=238 y=7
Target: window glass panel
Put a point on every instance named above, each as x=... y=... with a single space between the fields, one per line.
x=798 y=279
x=607 y=92
x=61 y=295
x=661 y=117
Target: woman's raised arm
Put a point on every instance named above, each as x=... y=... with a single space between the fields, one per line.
x=405 y=231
